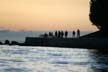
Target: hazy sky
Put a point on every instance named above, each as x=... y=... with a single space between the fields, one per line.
x=41 y=15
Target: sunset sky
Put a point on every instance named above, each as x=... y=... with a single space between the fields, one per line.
x=45 y=15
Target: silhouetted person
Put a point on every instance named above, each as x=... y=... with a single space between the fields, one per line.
x=73 y=34
x=66 y=34
x=99 y=14
x=59 y=34
x=45 y=35
x=78 y=33
x=62 y=34
x=51 y=34
x=56 y=34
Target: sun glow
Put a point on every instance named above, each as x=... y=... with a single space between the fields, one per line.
x=41 y=15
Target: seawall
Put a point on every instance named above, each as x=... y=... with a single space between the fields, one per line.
x=67 y=42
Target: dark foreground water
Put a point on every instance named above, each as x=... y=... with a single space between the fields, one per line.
x=47 y=59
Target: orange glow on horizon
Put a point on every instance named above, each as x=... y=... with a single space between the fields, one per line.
x=45 y=15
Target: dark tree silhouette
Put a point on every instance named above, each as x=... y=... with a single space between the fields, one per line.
x=99 y=14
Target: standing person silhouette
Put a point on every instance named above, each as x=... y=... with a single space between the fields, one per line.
x=66 y=34
x=56 y=34
x=59 y=34
x=78 y=33
x=62 y=34
x=73 y=34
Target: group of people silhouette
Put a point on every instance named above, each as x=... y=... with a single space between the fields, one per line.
x=62 y=34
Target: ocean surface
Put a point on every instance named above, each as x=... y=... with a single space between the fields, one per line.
x=51 y=59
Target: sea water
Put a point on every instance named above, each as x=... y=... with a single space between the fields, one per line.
x=51 y=59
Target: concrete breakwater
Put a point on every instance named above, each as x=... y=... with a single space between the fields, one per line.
x=67 y=42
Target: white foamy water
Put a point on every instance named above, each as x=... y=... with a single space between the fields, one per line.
x=49 y=59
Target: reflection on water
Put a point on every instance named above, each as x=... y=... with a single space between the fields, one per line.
x=46 y=59
x=101 y=58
